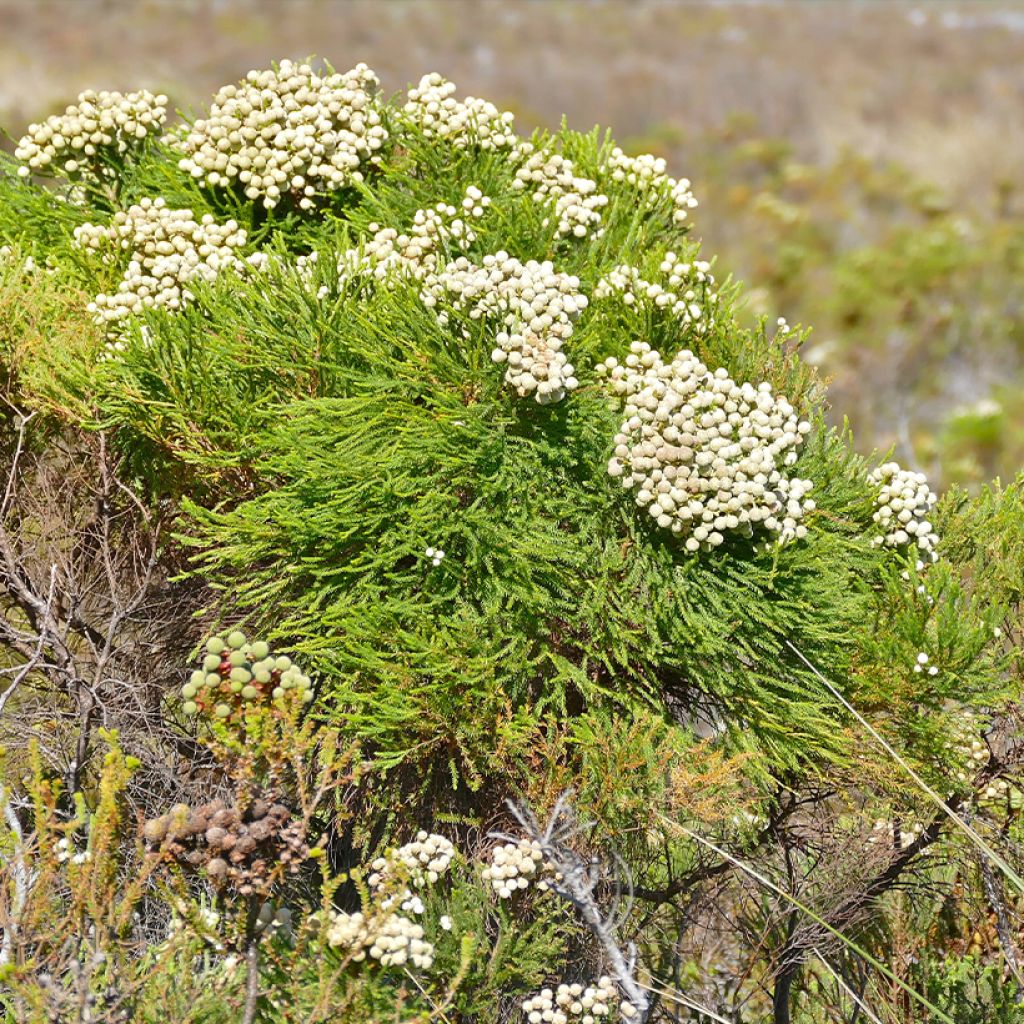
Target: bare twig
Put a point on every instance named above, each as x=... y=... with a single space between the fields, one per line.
x=576 y=881
x=19 y=869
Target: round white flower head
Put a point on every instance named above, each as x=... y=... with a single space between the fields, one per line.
x=997 y=789
x=648 y=176
x=578 y=1004
x=515 y=866
x=167 y=249
x=902 y=506
x=704 y=454
x=433 y=108
x=423 y=249
x=968 y=747
x=420 y=863
x=390 y=939
x=288 y=131
x=575 y=202
x=886 y=834
x=532 y=305
x=93 y=137
x=690 y=295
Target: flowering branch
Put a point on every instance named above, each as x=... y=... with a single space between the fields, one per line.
x=575 y=880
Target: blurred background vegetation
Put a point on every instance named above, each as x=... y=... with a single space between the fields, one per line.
x=858 y=164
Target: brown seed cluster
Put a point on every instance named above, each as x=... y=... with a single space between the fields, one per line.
x=244 y=848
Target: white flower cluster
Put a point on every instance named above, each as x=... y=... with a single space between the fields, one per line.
x=390 y=939
x=99 y=130
x=65 y=852
x=550 y=178
x=436 y=556
x=168 y=249
x=421 y=862
x=288 y=131
x=421 y=250
x=689 y=283
x=205 y=919
x=706 y=454
x=902 y=506
x=884 y=832
x=534 y=305
x=997 y=789
x=515 y=866
x=574 y=1004
x=969 y=748
x=470 y=122
x=29 y=266
x=648 y=176
x=921 y=665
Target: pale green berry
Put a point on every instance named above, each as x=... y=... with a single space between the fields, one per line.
x=236 y=687
x=278 y=693
x=189 y=690
x=260 y=649
x=250 y=692
x=213 y=679
x=197 y=678
x=222 y=710
x=236 y=639
x=191 y=708
x=214 y=645
x=211 y=663
x=240 y=675
x=283 y=663
x=261 y=676
x=237 y=658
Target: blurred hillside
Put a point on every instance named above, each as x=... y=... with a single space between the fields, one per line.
x=858 y=164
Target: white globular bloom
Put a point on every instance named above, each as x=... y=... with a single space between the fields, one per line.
x=433 y=107
x=92 y=136
x=532 y=305
x=167 y=249
x=704 y=454
x=887 y=834
x=690 y=294
x=903 y=503
x=997 y=789
x=422 y=250
x=921 y=665
x=578 y=1004
x=436 y=556
x=205 y=919
x=648 y=176
x=288 y=131
x=968 y=747
x=576 y=204
x=515 y=866
x=419 y=863
x=390 y=939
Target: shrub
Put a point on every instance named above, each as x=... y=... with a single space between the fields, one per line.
x=463 y=423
